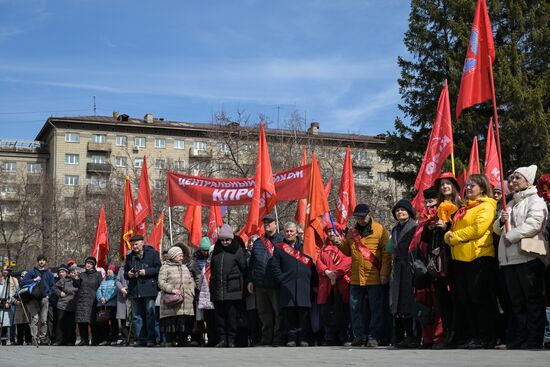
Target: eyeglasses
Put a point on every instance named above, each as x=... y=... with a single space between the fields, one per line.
x=469 y=184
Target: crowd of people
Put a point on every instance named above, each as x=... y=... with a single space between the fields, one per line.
x=463 y=273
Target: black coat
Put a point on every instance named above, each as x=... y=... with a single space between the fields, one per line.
x=401 y=283
x=259 y=264
x=293 y=277
x=86 y=302
x=146 y=285
x=228 y=270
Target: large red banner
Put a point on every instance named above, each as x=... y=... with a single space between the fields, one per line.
x=291 y=184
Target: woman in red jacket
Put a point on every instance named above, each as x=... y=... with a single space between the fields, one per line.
x=334 y=269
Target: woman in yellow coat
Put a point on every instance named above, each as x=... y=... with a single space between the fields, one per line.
x=474 y=266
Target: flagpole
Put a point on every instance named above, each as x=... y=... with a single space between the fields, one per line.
x=499 y=151
x=276 y=217
x=170 y=223
x=453 y=163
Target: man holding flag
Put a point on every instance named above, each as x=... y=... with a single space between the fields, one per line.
x=370 y=270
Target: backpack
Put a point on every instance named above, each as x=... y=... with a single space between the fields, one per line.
x=34 y=290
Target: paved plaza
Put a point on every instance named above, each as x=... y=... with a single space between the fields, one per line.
x=263 y=357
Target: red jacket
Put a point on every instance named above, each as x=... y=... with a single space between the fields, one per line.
x=331 y=258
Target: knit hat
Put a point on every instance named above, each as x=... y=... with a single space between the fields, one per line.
x=62 y=267
x=173 y=252
x=205 y=244
x=405 y=204
x=73 y=268
x=114 y=268
x=337 y=226
x=499 y=188
x=70 y=263
x=91 y=259
x=528 y=172
x=361 y=210
x=226 y=232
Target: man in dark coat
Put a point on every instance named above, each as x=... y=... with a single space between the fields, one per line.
x=38 y=307
x=228 y=270
x=292 y=270
x=261 y=283
x=141 y=271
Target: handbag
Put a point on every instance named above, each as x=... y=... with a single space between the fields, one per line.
x=438 y=262
x=103 y=315
x=536 y=245
x=171 y=299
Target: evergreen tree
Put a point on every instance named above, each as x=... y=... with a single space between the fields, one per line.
x=437 y=38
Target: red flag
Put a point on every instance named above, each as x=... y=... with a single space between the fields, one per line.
x=346 y=194
x=439 y=147
x=300 y=215
x=264 y=198
x=328 y=186
x=101 y=243
x=214 y=222
x=144 y=204
x=462 y=181
x=473 y=163
x=492 y=170
x=317 y=206
x=128 y=221
x=326 y=216
x=155 y=238
x=475 y=86
x=193 y=222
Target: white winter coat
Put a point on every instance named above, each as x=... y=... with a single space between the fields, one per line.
x=527 y=218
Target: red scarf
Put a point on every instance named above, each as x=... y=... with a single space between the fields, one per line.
x=365 y=251
x=268 y=245
x=294 y=253
x=462 y=211
x=207 y=273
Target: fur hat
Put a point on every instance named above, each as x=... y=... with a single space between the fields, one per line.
x=528 y=172
x=405 y=204
x=135 y=238
x=173 y=252
x=226 y=232
x=431 y=192
x=205 y=244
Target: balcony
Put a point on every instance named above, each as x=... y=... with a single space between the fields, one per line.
x=10 y=217
x=200 y=153
x=34 y=178
x=362 y=181
x=99 y=147
x=105 y=168
x=364 y=163
x=9 y=196
x=95 y=190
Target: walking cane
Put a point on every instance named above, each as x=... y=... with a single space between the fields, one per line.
x=27 y=318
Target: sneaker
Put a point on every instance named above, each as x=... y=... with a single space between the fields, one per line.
x=304 y=344
x=291 y=344
x=372 y=343
x=103 y=344
x=355 y=343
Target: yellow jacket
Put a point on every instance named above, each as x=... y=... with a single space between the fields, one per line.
x=472 y=235
x=362 y=271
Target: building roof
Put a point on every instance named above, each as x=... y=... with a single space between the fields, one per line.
x=160 y=123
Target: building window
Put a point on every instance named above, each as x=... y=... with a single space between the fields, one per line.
x=70 y=201
x=99 y=159
x=32 y=211
x=158 y=184
x=9 y=166
x=224 y=149
x=179 y=144
x=99 y=138
x=72 y=159
x=8 y=189
x=98 y=181
x=71 y=180
x=199 y=145
x=121 y=162
x=138 y=162
x=121 y=140
x=139 y=142
x=72 y=137
x=160 y=143
x=34 y=168
x=179 y=165
x=160 y=163
x=382 y=176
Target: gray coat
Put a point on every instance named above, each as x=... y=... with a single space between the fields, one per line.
x=121 y=307
x=401 y=282
x=67 y=303
x=85 y=298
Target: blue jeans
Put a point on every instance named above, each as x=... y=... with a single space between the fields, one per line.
x=143 y=310
x=375 y=298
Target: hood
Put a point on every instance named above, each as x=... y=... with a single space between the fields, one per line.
x=522 y=195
